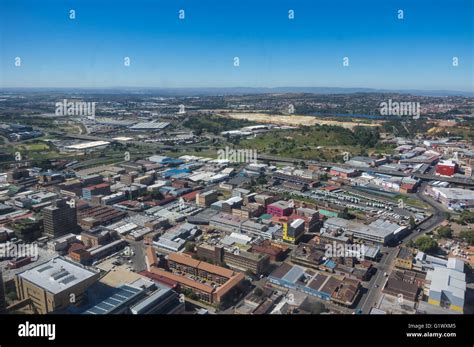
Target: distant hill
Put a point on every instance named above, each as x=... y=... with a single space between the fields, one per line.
x=237 y=91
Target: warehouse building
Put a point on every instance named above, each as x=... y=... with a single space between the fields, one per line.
x=447 y=286
x=227 y=222
x=324 y=286
x=452 y=198
x=379 y=232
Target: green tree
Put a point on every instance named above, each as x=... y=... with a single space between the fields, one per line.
x=189 y=246
x=445 y=232
x=467 y=217
x=366 y=136
x=447 y=215
x=198 y=132
x=468 y=236
x=426 y=244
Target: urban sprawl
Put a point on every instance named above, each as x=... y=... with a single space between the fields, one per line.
x=235 y=204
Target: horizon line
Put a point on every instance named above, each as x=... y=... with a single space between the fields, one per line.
x=244 y=87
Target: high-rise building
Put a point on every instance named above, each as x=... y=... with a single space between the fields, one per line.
x=59 y=218
x=3 y=302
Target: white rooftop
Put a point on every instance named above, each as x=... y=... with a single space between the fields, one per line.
x=57 y=275
x=455 y=264
x=236 y=238
x=444 y=279
x=455 y=193
x=86 y=145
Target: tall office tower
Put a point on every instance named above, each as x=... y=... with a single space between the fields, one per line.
x=59 y=218
x=3 y=302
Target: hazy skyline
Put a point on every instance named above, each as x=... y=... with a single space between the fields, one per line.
x=274 y=51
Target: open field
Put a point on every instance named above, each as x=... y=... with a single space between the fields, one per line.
x=293 y=120
x=34 y=147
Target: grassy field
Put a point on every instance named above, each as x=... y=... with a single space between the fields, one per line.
x=319 y=142
x=33 y=150
x=33 y=147
x=411 y=201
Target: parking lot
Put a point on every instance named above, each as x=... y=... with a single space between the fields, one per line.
x=373 y=207
x=44 y=255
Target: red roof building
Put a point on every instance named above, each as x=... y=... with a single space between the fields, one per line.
x=446 y=168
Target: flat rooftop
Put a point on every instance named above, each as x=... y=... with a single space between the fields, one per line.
x=444 y=279
x=378 y=228
x=57 y=275
x=405 y=253
x=456 y=193
x=87 y=145
x=120 y=297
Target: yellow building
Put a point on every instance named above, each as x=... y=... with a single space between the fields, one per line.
x=293 y=231
x=404 y=259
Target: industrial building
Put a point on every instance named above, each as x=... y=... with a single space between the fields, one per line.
x=324 y=286
x=132 y=299
x=447 y=285
x=164 y=300
x=452 y=198
x=227 y=222
x=149 y=126
x=380 y=231
x=174 y=239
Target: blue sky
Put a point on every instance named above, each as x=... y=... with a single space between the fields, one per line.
x=384 y=52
